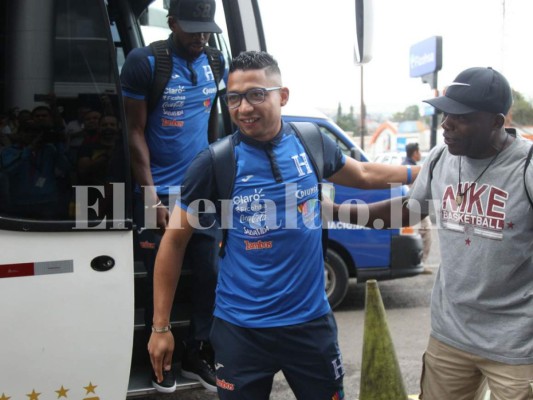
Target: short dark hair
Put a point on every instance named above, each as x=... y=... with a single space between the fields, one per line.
x=411 y=148
x=250 y=60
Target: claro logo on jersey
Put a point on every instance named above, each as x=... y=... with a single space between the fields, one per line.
x=258 y=245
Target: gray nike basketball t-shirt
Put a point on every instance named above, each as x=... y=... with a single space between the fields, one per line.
x=482 y=300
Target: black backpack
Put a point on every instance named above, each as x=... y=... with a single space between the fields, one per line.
x=163 y=69
x=511 y=131
x=223 y=155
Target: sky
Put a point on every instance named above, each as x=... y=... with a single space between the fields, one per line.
x=313 y=41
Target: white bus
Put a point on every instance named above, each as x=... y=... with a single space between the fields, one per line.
x=71 y=290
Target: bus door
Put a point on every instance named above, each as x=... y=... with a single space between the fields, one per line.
x=66 y=263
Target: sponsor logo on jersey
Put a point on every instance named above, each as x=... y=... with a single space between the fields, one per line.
x=258 y=245
x=171 y=122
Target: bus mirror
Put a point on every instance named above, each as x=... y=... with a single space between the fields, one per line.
x=364 y=28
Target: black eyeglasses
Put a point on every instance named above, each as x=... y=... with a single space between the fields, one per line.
x=253 y=96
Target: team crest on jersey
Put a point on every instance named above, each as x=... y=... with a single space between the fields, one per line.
x=209 y=76
x=302 y=164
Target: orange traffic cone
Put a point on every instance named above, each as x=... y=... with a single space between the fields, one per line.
x=381 y=378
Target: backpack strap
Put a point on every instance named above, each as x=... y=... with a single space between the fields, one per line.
x=223 y=155
x=313 y=142
x=214 y=56
x=311 y=138
x=162 y=71
x=434 y=162
x=528 y=161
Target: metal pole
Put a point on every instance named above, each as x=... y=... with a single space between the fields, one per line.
x=363 y=113
x=434 y=121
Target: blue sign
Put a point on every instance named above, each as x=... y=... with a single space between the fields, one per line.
x=400 y=143
x=425 y=57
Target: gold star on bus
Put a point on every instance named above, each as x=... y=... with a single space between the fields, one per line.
x=90 y=388
x=33 y=395
x=61 y=392
x=4 y=397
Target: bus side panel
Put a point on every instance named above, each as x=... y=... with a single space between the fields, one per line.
x=66 y=327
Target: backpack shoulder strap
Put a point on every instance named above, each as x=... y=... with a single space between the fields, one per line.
x=528 y=161
x=313 y=142
x=434 y=162
x=223 y=155
x=162 y=71
x=214 y=56
x=311 y=138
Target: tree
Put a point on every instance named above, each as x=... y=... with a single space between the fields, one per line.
x=347 y=122
x=411 y=113
x=522 y=110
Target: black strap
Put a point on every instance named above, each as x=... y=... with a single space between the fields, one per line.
x=215 y=62
x=313 y=142
x=311 y=138
x=223 y=155
x=162 y=71
x=434 y=162
x=528 y=161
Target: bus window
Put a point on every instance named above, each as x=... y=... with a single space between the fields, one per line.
x=62 y=158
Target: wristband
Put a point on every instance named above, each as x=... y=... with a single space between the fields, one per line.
x=164 y=329
x=155 y=205
x=409 y=175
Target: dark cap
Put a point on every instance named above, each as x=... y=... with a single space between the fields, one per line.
x=195 y=16
x=475 y=89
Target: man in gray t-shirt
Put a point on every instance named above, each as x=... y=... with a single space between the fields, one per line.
x=482 y=301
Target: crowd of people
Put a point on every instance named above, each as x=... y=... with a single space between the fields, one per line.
x=41 y=159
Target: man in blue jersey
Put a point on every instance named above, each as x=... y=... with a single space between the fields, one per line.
x=272 y=313
x=163 y=142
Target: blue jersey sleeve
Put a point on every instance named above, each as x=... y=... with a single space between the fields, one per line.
x=136 y=74
x=334 y=159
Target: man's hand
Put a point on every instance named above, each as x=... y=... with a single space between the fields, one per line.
x=163 y=217
x=160 y=348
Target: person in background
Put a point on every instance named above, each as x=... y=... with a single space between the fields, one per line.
x=413 y=157
x=479 y=187
x=272 y=313
x=34 y=165
x=163 y=142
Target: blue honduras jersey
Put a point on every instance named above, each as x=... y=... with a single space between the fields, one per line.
x=176 y=131
x=273 y=270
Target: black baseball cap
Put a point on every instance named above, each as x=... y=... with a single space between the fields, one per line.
x=195 y=16
x=475 y=89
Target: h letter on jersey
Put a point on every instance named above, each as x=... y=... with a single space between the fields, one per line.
x=301 y=163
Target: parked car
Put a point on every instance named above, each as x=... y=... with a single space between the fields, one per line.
x=355 y=251
x=396 y=157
